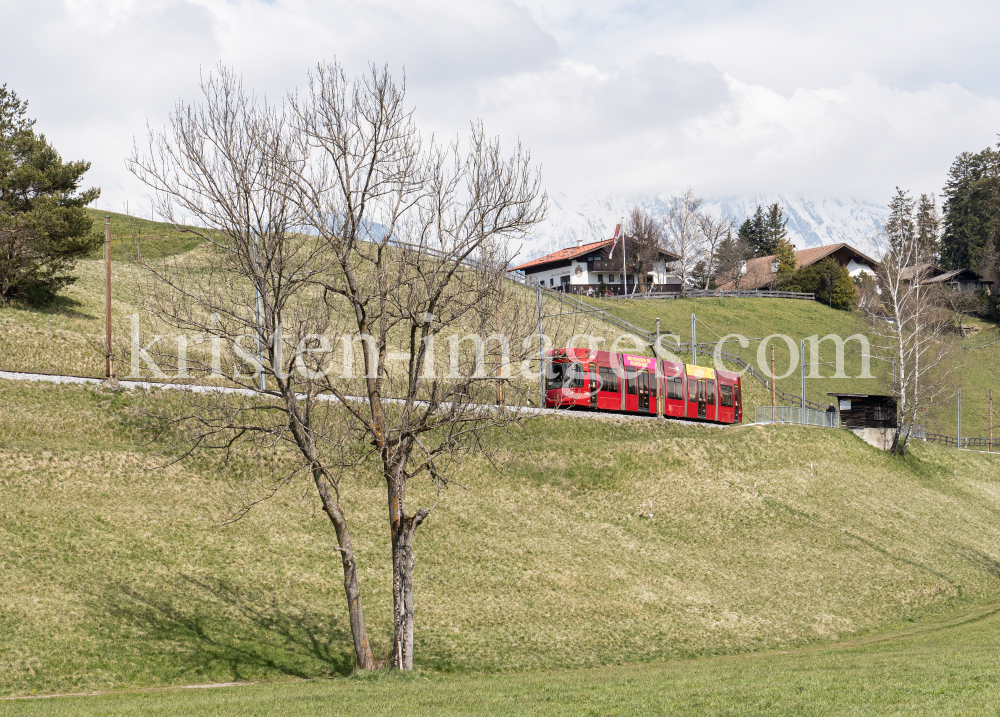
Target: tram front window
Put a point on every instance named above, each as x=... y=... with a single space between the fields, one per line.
x=555 y=375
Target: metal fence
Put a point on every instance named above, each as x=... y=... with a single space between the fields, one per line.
x=796 y=415
x=716 y=293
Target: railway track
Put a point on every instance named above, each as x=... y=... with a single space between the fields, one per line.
x=129 y=384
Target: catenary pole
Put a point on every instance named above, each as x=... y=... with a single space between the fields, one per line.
x=802 y=352
x=773 y=401
x=959 y=418
x=991 y=420
x=624 y=268
x=541 y=349
x=694 y=342
x=660 y=398
x=108 y=362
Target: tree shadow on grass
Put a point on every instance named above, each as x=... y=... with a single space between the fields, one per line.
x=201 y=628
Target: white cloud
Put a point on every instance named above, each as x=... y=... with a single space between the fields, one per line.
x=730 y=97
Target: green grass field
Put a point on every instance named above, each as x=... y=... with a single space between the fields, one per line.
x=946 y=668
x=116 y=576
x=611 y=567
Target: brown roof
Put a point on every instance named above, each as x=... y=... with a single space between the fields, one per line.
x=574 y=252
x=759 y=272
x=934 y=274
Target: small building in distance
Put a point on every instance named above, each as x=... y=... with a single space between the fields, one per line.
x=586 y=266
x=965 y=280
x=760 y=273
x=874 y=418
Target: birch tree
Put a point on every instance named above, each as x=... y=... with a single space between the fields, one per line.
x=683 y=235
x=908 y=323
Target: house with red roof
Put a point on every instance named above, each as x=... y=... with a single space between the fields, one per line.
x=587 y=266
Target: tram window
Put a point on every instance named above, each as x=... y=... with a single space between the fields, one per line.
x=609 y=381
x=575 y=374
x=693 y=390
x=630 y=380
x=725 y=396
x=711 y=390
x=736 y=396
x=652 y=385
x=555 y=374
x=675 y=388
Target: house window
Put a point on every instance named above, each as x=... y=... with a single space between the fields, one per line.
x=552 y=282
x=600 y=278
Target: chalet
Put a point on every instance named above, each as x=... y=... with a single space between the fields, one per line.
x=761 y=272
x=587 y=266
x=965 y=280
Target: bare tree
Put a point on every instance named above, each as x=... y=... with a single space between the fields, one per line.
x=681 y=226
x=908 y=323
x=959 y=303
x=731 y=260
x=644 y=240
x=714 y=232
x=336 y=226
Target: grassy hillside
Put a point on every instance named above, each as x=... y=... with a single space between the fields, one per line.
x=760 y=538
x=68 y=336
x=979 y=370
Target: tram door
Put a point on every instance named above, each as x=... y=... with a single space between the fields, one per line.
x=702 y=398
x=594 y=385
x=644 y=390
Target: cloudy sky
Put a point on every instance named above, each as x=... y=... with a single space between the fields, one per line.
x=730 y=97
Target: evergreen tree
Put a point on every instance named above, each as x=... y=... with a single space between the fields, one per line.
x=787 y=263
x=900 y=228
x=752 y=232
x=928 y=227
x=765 y=230
x=44 y=229
x=972 y=211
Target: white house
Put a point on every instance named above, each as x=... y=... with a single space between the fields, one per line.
x=587 y=266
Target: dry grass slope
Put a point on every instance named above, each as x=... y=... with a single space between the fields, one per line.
x=119 y=576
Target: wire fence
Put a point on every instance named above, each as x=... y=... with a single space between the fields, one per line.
x=797 y=416
x=981 y=340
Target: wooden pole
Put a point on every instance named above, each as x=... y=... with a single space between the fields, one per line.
x=108 y=363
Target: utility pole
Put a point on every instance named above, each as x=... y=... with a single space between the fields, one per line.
x=500 y=396
x=109 y=366
x=802 y=351
x=959 y=419
x=694 y=342
x=624 y=268
x=773 y=401
x=541 y=349
x=660 y=398
x=991 y=420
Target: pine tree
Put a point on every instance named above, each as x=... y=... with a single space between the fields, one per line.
x=752 y=233
x=900 y=228
x=44 y=229
x=928 y=227
x=971 y=210
x=787 y=262
x=774 y=229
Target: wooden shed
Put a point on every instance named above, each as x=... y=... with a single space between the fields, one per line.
x=866 y=410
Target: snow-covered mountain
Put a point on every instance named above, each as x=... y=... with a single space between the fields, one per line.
x=811 y=221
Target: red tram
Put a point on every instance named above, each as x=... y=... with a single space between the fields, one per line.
x=605 y=381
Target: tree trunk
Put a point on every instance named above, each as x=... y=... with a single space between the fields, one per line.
x=362 y=648
x=402 y=529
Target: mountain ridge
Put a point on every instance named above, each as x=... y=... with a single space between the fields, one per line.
x=812 y=221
